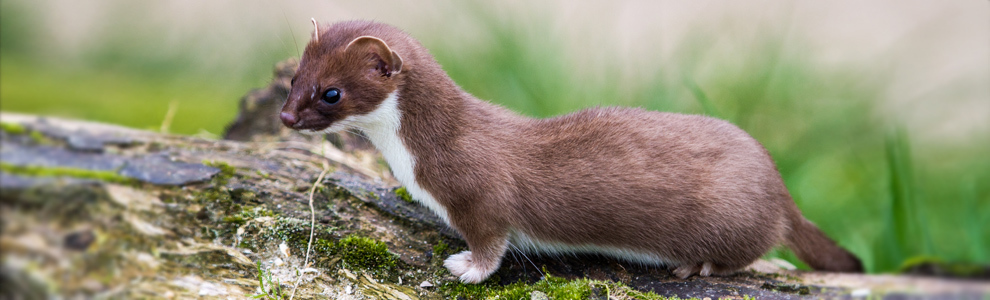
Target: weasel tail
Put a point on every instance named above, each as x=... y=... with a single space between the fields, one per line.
x=813 y=247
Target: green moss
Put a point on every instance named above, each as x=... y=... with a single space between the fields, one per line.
x=17 y=129
x=554 y=287
x=404 y=194
x=243 y=195
x=12 y=128
x=226 y=171
x=357 y=252
x=323 y=246
x=230 y=207
x=332 y=191
x=37 y=137
x=787 y=288
x=261 y=211
x=292 y=231
x=295 y=232
x=39 y=171
x=238 y=220
x=440 y=248
x=217 y=197
x=365 y=253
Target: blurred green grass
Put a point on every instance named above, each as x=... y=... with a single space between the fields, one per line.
x=853 y=171
x=130 y=77
x=113 y=98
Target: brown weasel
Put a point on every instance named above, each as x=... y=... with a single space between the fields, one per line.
x=690 y=192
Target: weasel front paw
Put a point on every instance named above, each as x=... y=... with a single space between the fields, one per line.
x=466 y=268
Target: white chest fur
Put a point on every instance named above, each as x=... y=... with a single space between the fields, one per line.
x=381 y=126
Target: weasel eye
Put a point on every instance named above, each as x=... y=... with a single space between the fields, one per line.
x=331 y=96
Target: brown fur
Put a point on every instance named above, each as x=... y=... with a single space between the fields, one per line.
x=696 y=191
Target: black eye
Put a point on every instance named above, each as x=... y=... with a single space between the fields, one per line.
x=292 y=82
x=331 y=96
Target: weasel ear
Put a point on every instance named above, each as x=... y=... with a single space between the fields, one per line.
x=387 y=61
x=316 y=31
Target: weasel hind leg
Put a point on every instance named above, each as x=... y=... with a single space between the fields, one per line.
x=704 y=269
x=686 y=270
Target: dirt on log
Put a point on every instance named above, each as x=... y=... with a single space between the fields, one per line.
x=98 y=211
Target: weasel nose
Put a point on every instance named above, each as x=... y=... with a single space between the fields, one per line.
x=288 y=119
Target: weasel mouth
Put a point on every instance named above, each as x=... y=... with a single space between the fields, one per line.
x=322 y=127
x=317 y=130
x=302 y=125
x=308 y=127
x=310 y=132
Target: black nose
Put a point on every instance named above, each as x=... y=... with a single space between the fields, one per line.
x=288 y=119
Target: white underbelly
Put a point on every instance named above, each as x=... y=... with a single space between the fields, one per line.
x=381 y=126
x=526 y=243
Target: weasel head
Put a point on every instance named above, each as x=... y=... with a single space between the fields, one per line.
x=345 y=73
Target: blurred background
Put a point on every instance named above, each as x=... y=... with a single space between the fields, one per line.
x=877 y=112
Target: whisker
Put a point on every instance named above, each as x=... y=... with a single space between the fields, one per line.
x=516 y=259
x=527 y=259
x=280 y=39
x=356 y=132
x=294 y=42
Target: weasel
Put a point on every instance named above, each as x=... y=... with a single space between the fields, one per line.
x=690 y=192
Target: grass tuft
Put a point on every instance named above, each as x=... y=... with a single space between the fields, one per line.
x=404 y=194
x=273 y=291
